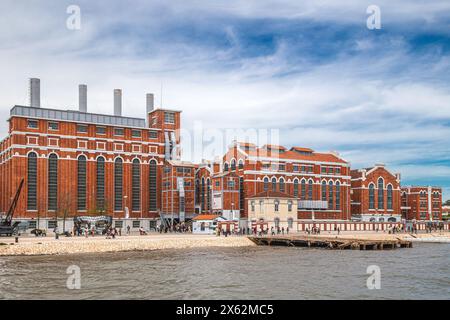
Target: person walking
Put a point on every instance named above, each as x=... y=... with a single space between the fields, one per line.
x=128 y=230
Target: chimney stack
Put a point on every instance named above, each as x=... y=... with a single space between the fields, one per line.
x=82 y=97
x=117 y=102
x=35 y=92
x=150 y=102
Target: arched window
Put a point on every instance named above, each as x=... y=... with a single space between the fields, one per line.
x=290 y=222
x=136 y=185
x=233 y=165
x=225 y=166
x=277 y=222
x=296 y=188
x=310 y=190
x=281 y=185
x=101 y=183
x=338 y=195
x=203 y=194
x=324 y=191
x=32 y=181
x=303 y=192
x=208 y=194
x=380 y=194
x=266 y=184
x=118 y=184
x=152 y=182
x=274 y=184
x=197 y=191
x=53 y=182
x=330 y=195
x=81 y=196
x=389 y=197
x=371 y=196
x=241 y=164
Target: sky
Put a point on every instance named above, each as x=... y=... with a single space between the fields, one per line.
x=311 y=70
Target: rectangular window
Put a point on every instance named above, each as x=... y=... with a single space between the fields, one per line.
x=136 y=148
x=295 y=168
x=51 y=224
x=187 y=170
x=338 y=171
x=32 y=224
x=169 y=117
x=33 y=124
x=101 y=130
x=118 y=224
x=82 y=144
x=101 y=145
x=136 y=224
x=217 y=183
x=81 y=128
x=32 y=140
x=324 y=170
x=118 y=131
x=282 y=167
x=136 y=133
x=53 y=125
x=53 y=142
x=118 y=147
x=231 y=184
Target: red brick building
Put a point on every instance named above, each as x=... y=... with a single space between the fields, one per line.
x=422 y=203
x=375 y=194
x=87 y=163
x=319 y=181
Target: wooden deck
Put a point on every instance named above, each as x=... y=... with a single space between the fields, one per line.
x=330 y=243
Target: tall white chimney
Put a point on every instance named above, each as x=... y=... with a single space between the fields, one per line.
x=117 y=102
x=35 y=92
x=82 y=98
x=150 y=102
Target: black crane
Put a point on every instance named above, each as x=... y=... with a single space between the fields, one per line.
x=6 y=226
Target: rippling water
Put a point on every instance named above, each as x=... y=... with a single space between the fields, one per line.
x=232 y=273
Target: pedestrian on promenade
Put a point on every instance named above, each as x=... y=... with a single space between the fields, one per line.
x=128 y=230
x=287 y=230
x=338 y=230
x=282 y=230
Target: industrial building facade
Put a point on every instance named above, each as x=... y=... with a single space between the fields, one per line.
x=77 y=163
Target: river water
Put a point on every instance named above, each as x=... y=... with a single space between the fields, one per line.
x=422 y=272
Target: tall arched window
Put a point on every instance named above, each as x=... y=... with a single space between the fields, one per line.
x=330 y=195
x=197 y=191
x=81 y=196
x=233 y=165
x=310 y=190
x=101 y=183
x=274 y=184
x=53 y=182
x=296 y=188
x=203 y=194
x=380 y=193
x=389 y=197
x=136 y=185
x=32 y=181
x=338 y=195
x=371 y=196
x=282 y=185
x=241 y=194
x=266 y=184
x=152 y=181
x=241 y=164
x=118 y=184
x=324 y=191
x=303 y=192
x=225 y=166
x=277 y=222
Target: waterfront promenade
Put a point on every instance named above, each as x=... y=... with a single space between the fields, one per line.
x=30 y=245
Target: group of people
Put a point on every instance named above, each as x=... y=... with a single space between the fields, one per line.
x=178 y=228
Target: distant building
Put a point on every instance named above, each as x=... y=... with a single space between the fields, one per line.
x=206 y=223
x=445 y=212
x=422 y=203
x=375 y=194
